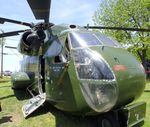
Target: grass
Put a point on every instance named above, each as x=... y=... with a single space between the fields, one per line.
x=46 y=116
x=145 y=97
x=11 y=115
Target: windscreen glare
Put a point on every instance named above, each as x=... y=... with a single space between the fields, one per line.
x=107 y=40
x=100 y=97
x=80 y=39
x=90 y=65
x=86 y=39
x=97 y=79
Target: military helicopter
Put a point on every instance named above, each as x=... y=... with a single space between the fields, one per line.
x=79 y=71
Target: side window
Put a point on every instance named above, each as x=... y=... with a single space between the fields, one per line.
x=63 y=56
x=57 y=59
x=60 y=59
x=67 y=45
x=67 y=50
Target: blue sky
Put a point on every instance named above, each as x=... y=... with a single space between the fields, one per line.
x=78 y=12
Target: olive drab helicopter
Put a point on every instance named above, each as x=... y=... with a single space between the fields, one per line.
x=78 y=70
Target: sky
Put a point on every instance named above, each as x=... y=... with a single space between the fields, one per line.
x=77 y=12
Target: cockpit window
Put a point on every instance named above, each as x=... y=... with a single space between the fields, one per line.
x=90 y=65
x=54 y=49
x=82 y=39
x=107 y=41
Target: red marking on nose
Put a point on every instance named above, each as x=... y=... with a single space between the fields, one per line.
x=119 y=68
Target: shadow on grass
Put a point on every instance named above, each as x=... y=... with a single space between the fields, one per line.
x=4 y=81
x=5 y=87
x=21 y=94
x=9 y=96
x=6 y=119
x=146 y=90
x=63 y=119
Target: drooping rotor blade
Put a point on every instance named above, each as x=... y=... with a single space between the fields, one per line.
x=40 y=9
x=117 y=28
x=3 y=20
x=13 y=33
x=10 y=47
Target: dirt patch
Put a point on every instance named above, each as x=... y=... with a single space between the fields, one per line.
x=16 y=118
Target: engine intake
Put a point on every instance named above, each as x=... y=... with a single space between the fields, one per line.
x=31 y=41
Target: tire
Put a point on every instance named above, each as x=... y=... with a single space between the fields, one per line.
x=0 y=107
x=108 y=120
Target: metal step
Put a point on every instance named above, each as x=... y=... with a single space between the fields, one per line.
x=33 y=104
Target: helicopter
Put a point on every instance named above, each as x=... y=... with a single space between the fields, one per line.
x=78 y=71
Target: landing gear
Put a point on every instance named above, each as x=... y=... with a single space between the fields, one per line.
x=108 y=120
x=41 y=74
x=0 y=107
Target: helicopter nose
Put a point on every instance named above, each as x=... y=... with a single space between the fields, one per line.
x=128 y=71
x=121 y=60
x=118 y=67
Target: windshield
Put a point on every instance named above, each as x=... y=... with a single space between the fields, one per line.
x=90 y=65
x=86 y=39
x=82 y=39
x=97 y=81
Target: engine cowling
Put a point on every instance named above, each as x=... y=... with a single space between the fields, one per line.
x=30 y=42
x=21 y=80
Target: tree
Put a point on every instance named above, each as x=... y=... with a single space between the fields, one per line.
x=147 y=4
x=2 y=40
x=127 y=13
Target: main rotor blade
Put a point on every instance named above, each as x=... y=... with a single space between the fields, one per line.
x=40 y=9
x=3 y=20
x=13 y=33
x=10 y=47
x=118 y=28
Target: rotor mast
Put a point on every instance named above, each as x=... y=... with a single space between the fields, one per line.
x=41 y=10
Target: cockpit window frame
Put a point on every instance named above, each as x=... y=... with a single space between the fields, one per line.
x=91 y=79
x=114 y=45
x=105 y=43
x=93 y=34
x=69 y=42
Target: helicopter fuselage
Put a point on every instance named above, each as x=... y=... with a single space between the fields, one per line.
x=86 y=73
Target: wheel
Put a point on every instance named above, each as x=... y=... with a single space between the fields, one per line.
x=108 y=120
x=0 y=107
x=106 y=123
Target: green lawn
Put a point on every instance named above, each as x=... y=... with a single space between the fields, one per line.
x=46 y=116
x=146 y=97
x=11 y=115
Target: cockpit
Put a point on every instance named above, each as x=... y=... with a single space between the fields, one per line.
x=89 y=64
x=97 y=80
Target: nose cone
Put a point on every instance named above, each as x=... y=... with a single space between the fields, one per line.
x=129 y=74
x=97 y=81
